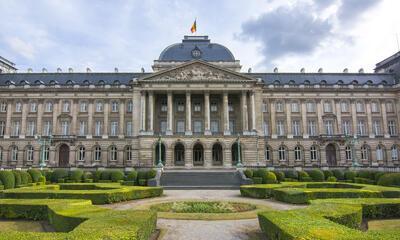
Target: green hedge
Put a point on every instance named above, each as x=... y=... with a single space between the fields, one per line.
x=59 y=174
x=248 y=173
x=389 y=179
x=132 y=176
x=350 y=175
x=76 y=175
x=291 y=174
x=317 y=175
x=8 y=179
x=280 y=176
x=327 y=173
x=35 y=174
x=116 y=176
x=363 y=180
x=78 y=219
x=331 y=219
x=338 y=174
x=257 y=180
x=269 y=178
x=99 y=193
x=303 y=176
x=17 y=177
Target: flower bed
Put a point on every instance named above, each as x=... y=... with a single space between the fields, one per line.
x=77 y=219
x=98 y=193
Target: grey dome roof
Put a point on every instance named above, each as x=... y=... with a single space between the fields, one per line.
x=196 y=47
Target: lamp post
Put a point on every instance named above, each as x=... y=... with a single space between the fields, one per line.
x=159 y=164
x=239 y=163
x=43 y=142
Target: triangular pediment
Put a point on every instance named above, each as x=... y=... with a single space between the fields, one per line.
x=197 y=71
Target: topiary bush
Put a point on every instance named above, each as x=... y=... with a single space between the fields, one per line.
x=152 y=173
x=58 y=174
x=35 y=174
x=269 y=178
x=327 y=173
x=316 y=175
x=331 y=179
x=257 y=180
x=338 y=174
x=248 y=173
x=42 y=180
x=17 y=176
x=390 y=179
x=141 y=175
x=280 y=176
x=117 y=175
x=8 y=179
x=97 y=175
x=76 y=175
x=132 y=176
x=260 y=172
x=87 y=175
x=350 y=175
x=105 y=175
x=25 y=178
x=303 y=176
x=291 y=174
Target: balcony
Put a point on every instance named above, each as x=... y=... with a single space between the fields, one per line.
x=333 y=137
x=64 y=138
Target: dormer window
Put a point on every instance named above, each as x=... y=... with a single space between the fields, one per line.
x=323 y=82
x=116 y=83
x=101 y=83
x=86 y=82
x=52 y=83
x=69 y=82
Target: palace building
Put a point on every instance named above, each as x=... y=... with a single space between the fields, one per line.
x=197 y=109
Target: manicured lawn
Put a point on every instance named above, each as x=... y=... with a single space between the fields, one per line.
x=384 y=224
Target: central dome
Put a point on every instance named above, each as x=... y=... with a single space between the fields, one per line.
x=196 y=47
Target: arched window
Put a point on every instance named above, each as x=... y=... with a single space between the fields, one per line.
x=113 y=153
x=349 y=154
x=14 y=153
x=81 y=153
x=268 y=153
x=179 y=154
x=365 y=153
x=52 y=83
x=395 y=153
x=282 y=153
x=128 y=153
x=291 y=82
x=340 y=82
x=380 y=153
x=297 y=153
x=198 y=154
x=97 y=153
x=314 y=153
x=29 y=153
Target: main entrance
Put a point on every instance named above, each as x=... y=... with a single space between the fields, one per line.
x=217 y=154
x=331 y=154
x=63 y=156
x=198 y=155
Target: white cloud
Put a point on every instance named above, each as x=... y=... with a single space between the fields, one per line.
x=21 y=47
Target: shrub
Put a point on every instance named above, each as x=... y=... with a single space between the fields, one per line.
x=128 y=183
x=87 y=175
x=290 y=180
x=25 y=178
x=47 y=174
x=97 y=175
x=327 y=173
x=331 y=179
x=280 y=176
x=248 y=173
x=316 y=175
x=132 y=176
x=142 y=175
x=291 y=174
x=117 y=175
x=42 y=179
x=76 y=175
x=363 y=180
x=17 y=176
x=143 y=182
x=366 y=174
x=152 y=173
x=303 y=176
x=58 y=174
x=105 y=175
x=350 y=175
x=8 y=179
x=378 y=175
x=390 y=179
x=35 y=174
x=257 y=180
x=269 y=178
x=260 y=172
x=338 y=174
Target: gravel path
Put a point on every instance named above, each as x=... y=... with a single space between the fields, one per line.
x=208 y=230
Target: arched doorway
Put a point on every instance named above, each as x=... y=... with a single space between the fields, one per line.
x=331 y=154
x=198 y=155
x=179 y=154
x=217 y=154
x=235 y=155
x=158 y=153
x=63 y=156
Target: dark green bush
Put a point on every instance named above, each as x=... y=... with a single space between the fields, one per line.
x=327 y=173
x=350 y=175
x=338 y=174
x=378 y=175
x=280 y=176
x=331 y=179
x=25 y=178
x=303 y=176
x=248 y=173
x=290 y=180
x=366 y=174
x=105 y=175
x=76 y=175
x=142 y=182
x=259 y=172
x=97 y=175
x=257 y=180
x=132 y=176
x=87 y=175
x=142 y=175
x=152 y=173
x=317 y=175
x=17 y=176
x=42 y=179
x=292 y=174
x=117 y=175
x=8 y=179
x=35 y=174
x=58 y=174
x=363 y=180
x=390 y=179
x=269 y=178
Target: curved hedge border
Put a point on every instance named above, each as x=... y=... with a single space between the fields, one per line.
x=98 y=193
x=303 y=192
x=332 y=219
x=77 y=219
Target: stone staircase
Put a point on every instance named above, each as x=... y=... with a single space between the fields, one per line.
x=200 y=179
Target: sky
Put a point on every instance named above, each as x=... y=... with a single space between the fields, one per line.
x=262 y=34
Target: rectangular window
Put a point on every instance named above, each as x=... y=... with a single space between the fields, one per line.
x=376 y=127
x=129 y=129
x=2 y=128
x=114 y=128
x=82 y=128
x=98 y=128
x=374 y=107
x=197 y=107
x=48 y=107
x=346 y=127
x=327 y=107
x=65 y=128
x=114 y=106
x=47 y=128
x=180 y=126
x=163 y=126
x=328 y=127
x=31 y=128
x=295 y=107
x=33 y=107
x=181 y=106
x=214 y=107
x=312 y=128
x=232 y=126
x=3 y=107
x=266 y=129
x=310 y=107
x=230 y=106
x=164 y=105
x=344 y=107
x=129 y=107
x=214 y=126
x=280 y=128
x=83 y=107
x=99 y=107
x=66 y=106
x=392 y=128
x=361 y=129
x=360 y=107
x=18 y=107
x=265 y=107
x=389 y=107
x=296 y=128
x=279 y=107
x=198 y=126
x=16 y=128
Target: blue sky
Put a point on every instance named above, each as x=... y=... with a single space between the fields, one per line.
x=102 y=34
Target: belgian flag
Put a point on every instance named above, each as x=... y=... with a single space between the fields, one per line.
x=193 y=29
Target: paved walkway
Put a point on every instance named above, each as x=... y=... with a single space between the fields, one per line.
x=208 y=230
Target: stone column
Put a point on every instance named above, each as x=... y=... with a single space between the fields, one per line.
x=273 y=120
x=143 y=111
x=151 y=112
x=106 y=113
x=23 y=122
x=8 y=120
x=253 y=112
x=39 y=118
x=207 y=130
x=245 y=113
x=188 y=114
x=121 y=119
x=136 y=113
x=384 y=119
x=74 y=112
x=304 y=119
x=354 y=117
x=170 y=114
x=319 y=116
x=56 y=106
x=90 y=119
x=226 y=114
x=338 y=117
x=369 y=120
x=289 y=119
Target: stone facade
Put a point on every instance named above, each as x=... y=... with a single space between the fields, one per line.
x=203 y=114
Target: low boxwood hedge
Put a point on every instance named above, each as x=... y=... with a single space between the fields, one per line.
x=389 y=179
x=57 y=175
x=76 y=175
x=77 y=219
x=331 y=219
x=99 y=193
